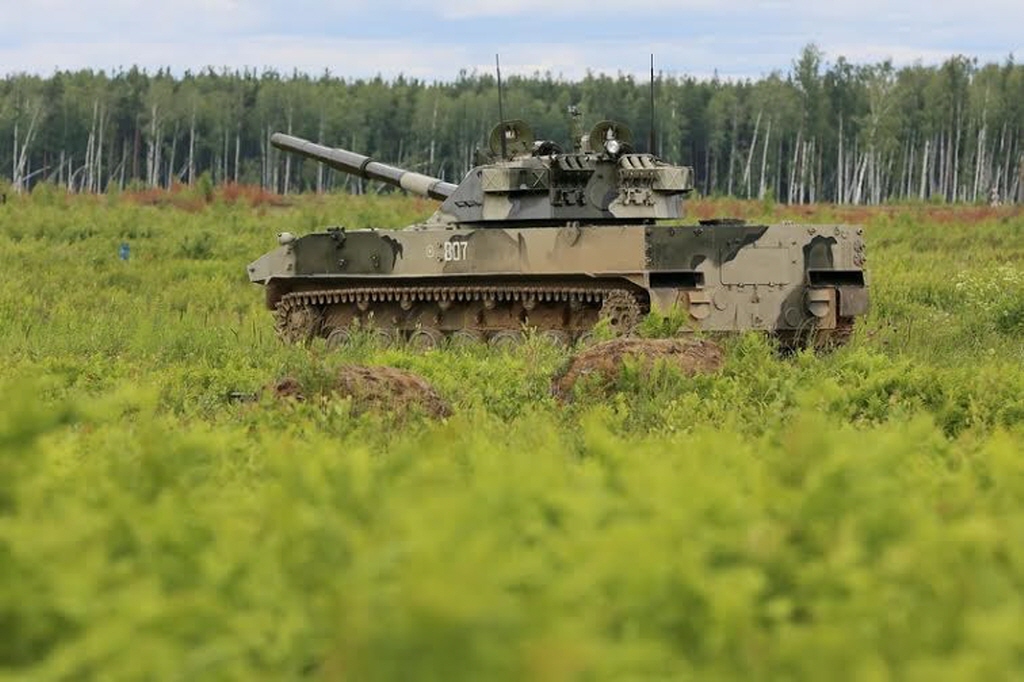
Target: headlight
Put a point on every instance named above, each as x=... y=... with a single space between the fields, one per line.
x=612 y=147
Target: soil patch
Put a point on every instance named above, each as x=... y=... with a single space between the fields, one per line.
x=605 y=361
x=381 y=388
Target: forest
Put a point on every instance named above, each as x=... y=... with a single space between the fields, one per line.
x=825 y=131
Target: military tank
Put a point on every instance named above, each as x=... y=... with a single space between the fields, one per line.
x=557 y=240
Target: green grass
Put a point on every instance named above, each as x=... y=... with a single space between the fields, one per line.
x=858 y=515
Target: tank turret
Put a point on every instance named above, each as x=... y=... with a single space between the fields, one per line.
x=528 y=182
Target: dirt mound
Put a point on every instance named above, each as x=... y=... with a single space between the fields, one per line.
x=383 y=388
x=605 y=360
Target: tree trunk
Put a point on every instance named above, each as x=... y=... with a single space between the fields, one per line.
x=275 y=167
x=264 y=162
x=433 y=137
x=943 y=155
x=924 y=169
x=101 y=185
x=21 y=155
x=862 y=166
x=320 y=166
x=192 y=149
x=223 y=167
x=750 y=155
x=778 y=171
x=979 y=163
x=90 y=146
x=137 y=142
x=1005 y=155
x=791 y=194
x=907 y=169
x=1019 y=193
x=956 y=156
x=839 y=163
x=764 y=159
x=151 y=152
x=288 y=158
x=238 y=149
x=732 y=149
x=174 y=153
x=124 y=165
x=803 y=174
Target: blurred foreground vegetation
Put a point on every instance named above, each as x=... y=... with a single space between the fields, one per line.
x=857 y=515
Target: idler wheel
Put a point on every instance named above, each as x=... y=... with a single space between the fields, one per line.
x=296 y=323
x=425 y=338
x=622 y=312
x=506 y=339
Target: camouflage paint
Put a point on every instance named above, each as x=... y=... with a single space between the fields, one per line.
x=551 y=219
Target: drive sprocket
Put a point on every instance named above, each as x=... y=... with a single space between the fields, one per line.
x=296 y=322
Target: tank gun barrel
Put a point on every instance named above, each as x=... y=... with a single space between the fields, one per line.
x=365 y=167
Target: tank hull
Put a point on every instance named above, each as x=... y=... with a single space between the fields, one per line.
x=803 y=283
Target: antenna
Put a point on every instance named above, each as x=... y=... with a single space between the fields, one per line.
x=501 y=109
x=575 y=131
x=650 y=141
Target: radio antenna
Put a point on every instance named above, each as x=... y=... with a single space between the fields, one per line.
x=650 y=141
x=501 y=108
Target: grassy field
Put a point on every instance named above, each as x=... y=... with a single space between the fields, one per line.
x=857 y=515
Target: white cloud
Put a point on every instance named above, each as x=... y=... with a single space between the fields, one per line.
x=440 y=61
x=430 y=39
x=96 y=19
x=344 y=57
x=367 y=58
x=888 y=14
x=869 y=53
x=543 y=10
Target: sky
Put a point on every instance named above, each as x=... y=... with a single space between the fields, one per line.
x=436 y=39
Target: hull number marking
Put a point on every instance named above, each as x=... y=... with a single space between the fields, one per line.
x=455 y=251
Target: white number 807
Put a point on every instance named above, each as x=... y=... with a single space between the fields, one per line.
x=455 y=251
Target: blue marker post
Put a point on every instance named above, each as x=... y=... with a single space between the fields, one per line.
x=125 y=251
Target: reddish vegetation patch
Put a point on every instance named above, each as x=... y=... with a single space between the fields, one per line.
x=375 y=388
x=423 y=205
x=176 y=197
x=605 y=361
x=721 y=208
x=191 y=199
x=703 y=209
x=251 y=194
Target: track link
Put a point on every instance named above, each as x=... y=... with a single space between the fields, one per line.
x=426 y=313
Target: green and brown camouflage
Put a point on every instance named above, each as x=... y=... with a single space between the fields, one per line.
x=538 y=237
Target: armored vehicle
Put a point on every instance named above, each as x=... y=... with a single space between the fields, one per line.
x=555 y=240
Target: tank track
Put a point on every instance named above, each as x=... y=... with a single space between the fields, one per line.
x=430 y=315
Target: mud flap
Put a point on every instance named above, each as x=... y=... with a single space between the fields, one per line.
x=275 y=289
x=853 y=301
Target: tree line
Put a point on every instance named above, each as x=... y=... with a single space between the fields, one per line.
x=822 y=131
